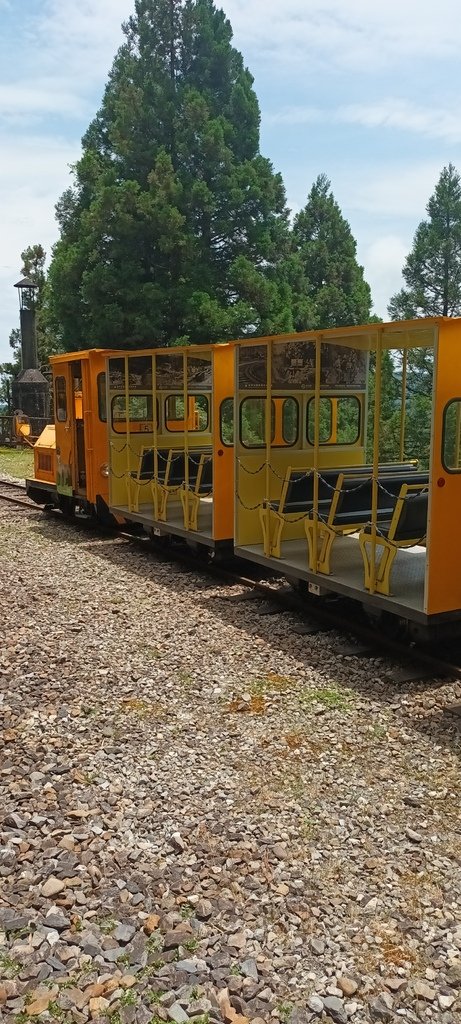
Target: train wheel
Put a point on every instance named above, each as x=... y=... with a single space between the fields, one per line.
x=386 y=623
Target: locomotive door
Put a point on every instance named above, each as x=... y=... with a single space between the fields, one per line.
x=78 y=426
x=63 y=421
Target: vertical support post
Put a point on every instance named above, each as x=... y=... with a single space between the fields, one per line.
x=268 y=439
x=155 y=434
x=318 y=378
x=375 y=488
x=127 y=422
x=186 y=438
x=403 y=406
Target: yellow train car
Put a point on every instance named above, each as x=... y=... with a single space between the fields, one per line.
x=71 y=457
x=317 y=508
x=170 y=421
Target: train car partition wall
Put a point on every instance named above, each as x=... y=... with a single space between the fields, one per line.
x=171 y=441
x=317 y=497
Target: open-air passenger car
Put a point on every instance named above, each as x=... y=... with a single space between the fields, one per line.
x=316 y=494
x=170 y=415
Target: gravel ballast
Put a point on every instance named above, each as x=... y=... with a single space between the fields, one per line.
x=205 y=815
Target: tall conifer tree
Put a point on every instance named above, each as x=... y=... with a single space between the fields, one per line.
x=176 y=226
x=329 y=289
x=432 y=270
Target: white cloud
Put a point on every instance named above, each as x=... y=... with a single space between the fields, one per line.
x=27 y=100
x=384 y=257
x=388 y=113
x=358 y=35
x=34 y=171
x=405 y=116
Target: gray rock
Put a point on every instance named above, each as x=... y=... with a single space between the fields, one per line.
x=315 y=1003
x=249 y=969
x=16 y=923
x=204 y=910
x=381 y=1007
x=335 y=1007
x=192 y=966
x=317 y=946
x=415 y=837
x=454 y=976
x=56 y=921
x=124 y=933
x=177 y=1014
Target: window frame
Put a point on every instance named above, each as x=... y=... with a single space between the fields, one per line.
x=260 y=398
x=59 y=407
x=355 y=398
x=451 y=401
x=336 y=444
x=180 y=394
x=133 y=394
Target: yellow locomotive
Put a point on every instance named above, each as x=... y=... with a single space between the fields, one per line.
x=273 y=447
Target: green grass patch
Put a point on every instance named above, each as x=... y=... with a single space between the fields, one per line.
x=17 y=462
x=329 y=697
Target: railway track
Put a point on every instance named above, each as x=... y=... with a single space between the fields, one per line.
x=15 y=494
x=409 y=662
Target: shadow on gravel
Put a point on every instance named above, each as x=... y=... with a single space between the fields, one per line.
x=369 y=677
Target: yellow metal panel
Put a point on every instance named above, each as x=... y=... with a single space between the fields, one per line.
x=443 y=588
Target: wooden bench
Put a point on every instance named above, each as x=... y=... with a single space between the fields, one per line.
x=406 y=528
x=297 y=499
x=193 y=495
x=351 y=509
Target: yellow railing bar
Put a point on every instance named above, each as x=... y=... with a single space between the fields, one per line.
x=403 y=408
x=267 y=540
x=318 y=377
x=375 y=489
x=186 y=437
x=127 y=420
x=155 y=432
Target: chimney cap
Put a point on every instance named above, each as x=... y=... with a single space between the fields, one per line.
x=26 y=283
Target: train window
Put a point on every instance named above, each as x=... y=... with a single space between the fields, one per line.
x=226 y=418
x=139 y=411
x=61 y=399
x=198 y=417
x=253 y=422
x=348 y=429
x=290 y=421
x=451 y=437
x=102 y=403
x=325 y=420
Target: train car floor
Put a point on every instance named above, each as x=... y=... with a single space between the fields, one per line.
x=407 y=580
x=174 y=523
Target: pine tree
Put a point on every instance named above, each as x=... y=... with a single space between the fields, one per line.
x=432 y=270
x=329 y=289
x=176 y=227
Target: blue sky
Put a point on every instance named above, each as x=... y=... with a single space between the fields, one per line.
x=366 y=91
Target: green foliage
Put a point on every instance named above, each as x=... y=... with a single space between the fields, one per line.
x=176 y=227
x=329 y=289
x=432 y=270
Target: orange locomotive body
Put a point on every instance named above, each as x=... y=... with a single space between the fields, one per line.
x=71 y=458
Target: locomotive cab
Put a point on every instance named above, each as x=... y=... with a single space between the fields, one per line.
x=71 y=456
